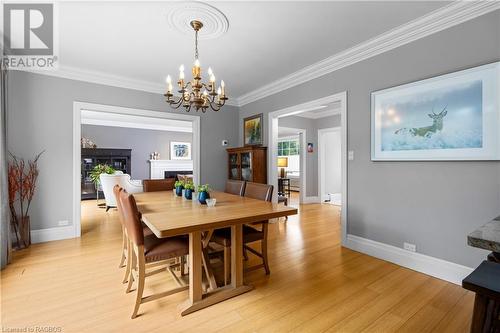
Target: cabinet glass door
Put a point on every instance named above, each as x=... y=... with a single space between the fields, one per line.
x=234 y=167
x=246 y=166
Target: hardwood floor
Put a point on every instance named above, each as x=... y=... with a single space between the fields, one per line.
x=315 y=286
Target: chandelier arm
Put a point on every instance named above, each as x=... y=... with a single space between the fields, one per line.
x=186 y=85
x=172 y=100
x=214 y=106
x=177 y=104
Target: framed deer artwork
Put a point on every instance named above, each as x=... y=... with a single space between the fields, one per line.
x=449 y=117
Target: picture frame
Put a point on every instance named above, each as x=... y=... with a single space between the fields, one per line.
x=253 y=129
x=454 y=116
x=180 y=150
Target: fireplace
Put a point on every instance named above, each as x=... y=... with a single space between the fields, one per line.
x=160 y=169
x=173 y=174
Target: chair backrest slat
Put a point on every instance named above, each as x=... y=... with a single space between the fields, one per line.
x=259 y=191
x=154 y=185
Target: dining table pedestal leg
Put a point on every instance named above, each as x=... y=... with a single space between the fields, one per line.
x=197 y=300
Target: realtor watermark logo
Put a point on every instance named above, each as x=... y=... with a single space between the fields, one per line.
x=29 y=36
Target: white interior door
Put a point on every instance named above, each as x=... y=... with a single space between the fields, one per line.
x=330 y=163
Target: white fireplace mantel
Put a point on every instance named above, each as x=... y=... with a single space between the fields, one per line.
x=158 y=167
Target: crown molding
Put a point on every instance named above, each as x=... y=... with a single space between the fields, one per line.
x=438 y=20
x=97 y=77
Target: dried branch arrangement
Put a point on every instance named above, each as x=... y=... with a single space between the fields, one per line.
x=22 y=184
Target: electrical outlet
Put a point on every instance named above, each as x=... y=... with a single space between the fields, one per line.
x=224 y=143
x=63 y=223
x=410 y=247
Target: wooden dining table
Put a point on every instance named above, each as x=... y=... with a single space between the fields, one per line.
x=169 y=215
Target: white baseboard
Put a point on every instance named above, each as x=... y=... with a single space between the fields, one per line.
x=309 y=200
x=438 y=268
x=52 y=234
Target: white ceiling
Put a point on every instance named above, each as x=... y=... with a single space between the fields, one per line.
x=265 y=40
x=129 y=121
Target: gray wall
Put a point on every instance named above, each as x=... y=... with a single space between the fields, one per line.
x=431 y=204
x=311 y=126
x=40 y=116
x=142 y=142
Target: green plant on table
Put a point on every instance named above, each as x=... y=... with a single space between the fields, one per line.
x=179 y=183
x=98 y=170
x=189 y=186
x=204 y=188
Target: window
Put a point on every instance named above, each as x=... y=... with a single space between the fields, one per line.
x=288 y=147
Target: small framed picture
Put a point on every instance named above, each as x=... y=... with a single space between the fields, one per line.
x=180 y=150
x=310 y=147
x=252 y=130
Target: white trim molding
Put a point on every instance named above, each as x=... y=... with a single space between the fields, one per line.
x=443 y=18
x=310 y=200
x=52 y=234
x=432 y=266
x=107 y=79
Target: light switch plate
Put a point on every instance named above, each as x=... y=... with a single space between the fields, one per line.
x=350 y=155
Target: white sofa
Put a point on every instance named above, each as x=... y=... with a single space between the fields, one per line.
x=118 y=178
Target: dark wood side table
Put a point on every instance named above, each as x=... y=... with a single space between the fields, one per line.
x=485 y=283
x=284 y=183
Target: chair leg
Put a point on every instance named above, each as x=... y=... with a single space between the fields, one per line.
x=107 y=208
x=227 y=265
x=132 y=267
x=128 y=265
x=140 y=283
x=124 y=249
x=264 y=249
x=183 y=265
x=245 y=254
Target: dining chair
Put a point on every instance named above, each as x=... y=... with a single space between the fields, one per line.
x=256 y=232
x=154 y=185
x=148 y=250
x=123 y=261
x=236 y=187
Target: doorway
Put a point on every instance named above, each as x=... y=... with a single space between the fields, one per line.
x=107 y=112
x=315 y=109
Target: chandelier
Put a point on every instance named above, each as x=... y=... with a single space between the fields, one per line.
x=196 y=93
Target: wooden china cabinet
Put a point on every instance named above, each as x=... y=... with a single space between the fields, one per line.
x=248 y=163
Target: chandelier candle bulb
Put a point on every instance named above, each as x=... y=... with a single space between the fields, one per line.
x=196 y=69
x=223 y=89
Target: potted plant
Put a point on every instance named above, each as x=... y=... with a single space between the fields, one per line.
x=95 y=176
x=188 y=191
x=96 y=173
x=22 y=185
x=179 y=186
x=203 y=193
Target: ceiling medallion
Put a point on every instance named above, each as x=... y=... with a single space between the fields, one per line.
x=191 y=94
x=215 y=23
